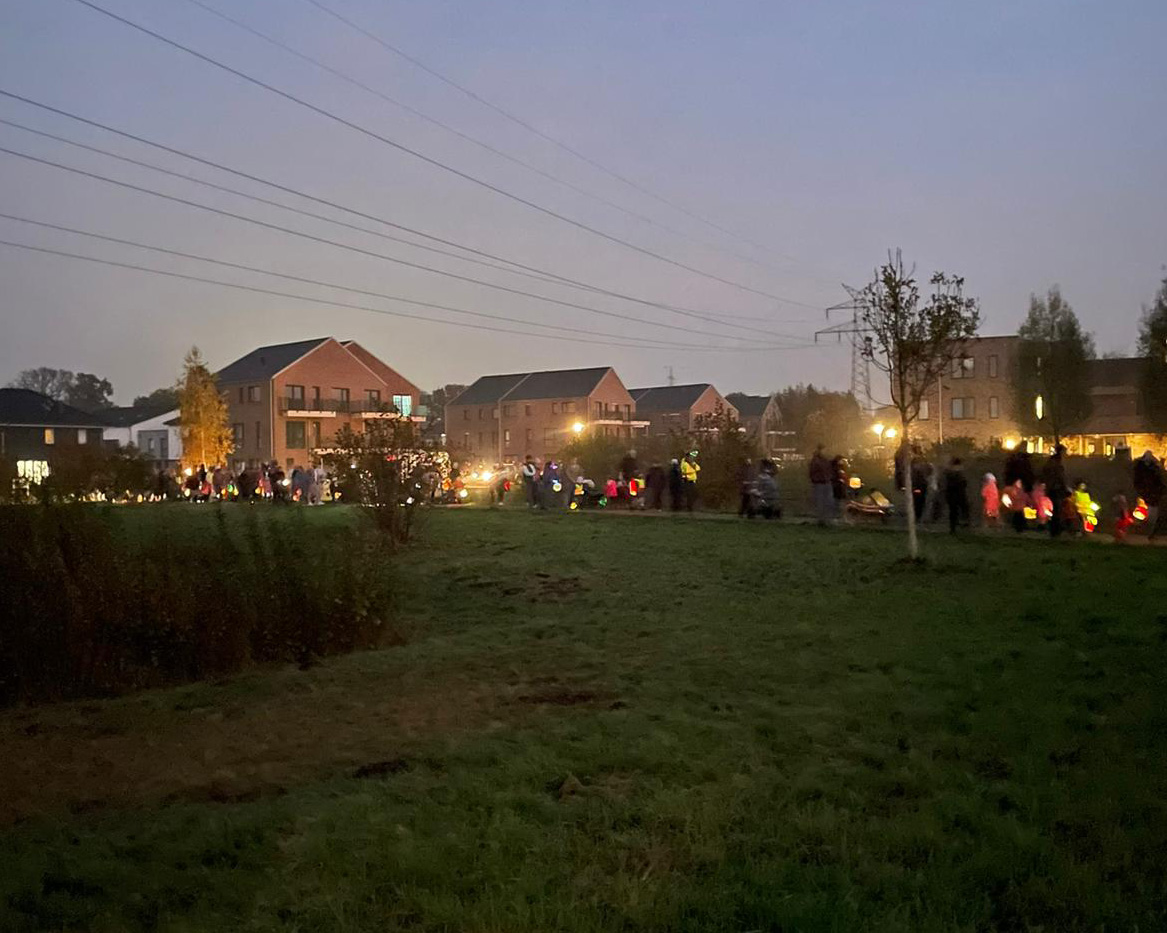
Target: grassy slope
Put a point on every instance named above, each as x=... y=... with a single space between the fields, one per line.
x=760 y=727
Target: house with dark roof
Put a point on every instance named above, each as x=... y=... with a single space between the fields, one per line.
x=762 y=419
x=287 y=401
x=677 y=408
x=34 y=429
x=154 y=432
x=505 y=417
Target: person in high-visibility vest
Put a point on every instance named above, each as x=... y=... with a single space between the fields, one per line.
x=689 y=470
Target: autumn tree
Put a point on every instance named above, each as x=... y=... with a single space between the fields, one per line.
x=1153 y=350
x=202 y=415
x=1050 y=383
x=913 y=342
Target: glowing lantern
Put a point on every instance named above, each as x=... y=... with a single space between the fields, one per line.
x=574 y=505
x=855 y=482
x=1030 y=513
x=1139 y=513
x=557 y=486
x=1007 y=501
x=1010 y=444
x=462 y=493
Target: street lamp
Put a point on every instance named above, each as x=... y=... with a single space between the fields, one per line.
x=890 y=433
x=878 y=429
x=578 y=427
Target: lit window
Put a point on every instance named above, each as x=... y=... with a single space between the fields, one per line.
x=404 y=404
x=82 y=435
x=50 y=436
x=924 y=413
x=506 y=437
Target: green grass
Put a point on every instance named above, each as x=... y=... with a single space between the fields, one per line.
x=621 y=723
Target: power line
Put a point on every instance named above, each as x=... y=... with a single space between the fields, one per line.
x=366 y=252
x=420 y=114
x=341 y=304
x=429 y=160
x=533 y=129
x=656 y=344
x=533 y=270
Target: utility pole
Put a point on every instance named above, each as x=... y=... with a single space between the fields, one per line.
x=672 y=378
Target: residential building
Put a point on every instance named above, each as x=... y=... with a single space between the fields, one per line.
x=34 y=429
x=1117 y=419
x=156 y=435
x=286 y=402
x=538 y=413
x=761 y=418
x=678 y=408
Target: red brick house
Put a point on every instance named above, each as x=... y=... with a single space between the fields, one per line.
x=677 y=408
x=538 y=413
x=288 y=400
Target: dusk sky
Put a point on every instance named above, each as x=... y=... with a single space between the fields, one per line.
x=1018 y=143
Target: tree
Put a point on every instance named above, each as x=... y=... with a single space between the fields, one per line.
x=1153 y=350
x=54 y=383
x=821 y=416
x=159 y=400
x=89 y=392
x=202 y=415
x=913 y=344
x=1052 y=391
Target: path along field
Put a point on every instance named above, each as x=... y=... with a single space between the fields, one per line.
x=605 y=723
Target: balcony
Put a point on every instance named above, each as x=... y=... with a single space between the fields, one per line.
x=318 y=407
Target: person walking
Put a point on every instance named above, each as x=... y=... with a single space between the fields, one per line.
x=921 y=476
x=689 y=470
x=529 y=471
x=1019 y=471
x=766 y=492
x=675 y=482
x=552 y=486
x=839 y=478
x=1057 y=489
x=956 y=494
x=654 y=485
x=990 y=501
x=1150 y=486
x=820 y=486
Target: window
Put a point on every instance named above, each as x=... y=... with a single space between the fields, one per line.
x=507 y=410
x=295 y=435
x=465 y=438
x=627 y=412
x=466 y=414
x=924 y=413
x=549 y=436
x=506 y=437
x=994 y=407
x=481 y=414
x=341 y=395
x=258 y=436
x=993 y=366
x=403 y=404
x=316 y=393
x=241 y=395
x=315 y=434
x=963 y=367
x=253 y=393
x=82 y=435
x=527 y=410
x=599 y=409
x=963 y=409
x=237 y=435
x=50 y=436
x=152 y=444
x=530 y=435
x=373 y=396
x=296 y=393
x=555 y=408
x=568 y=408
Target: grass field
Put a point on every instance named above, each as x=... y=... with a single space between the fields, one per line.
x=608 y=722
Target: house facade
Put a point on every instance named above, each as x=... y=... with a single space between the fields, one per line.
x=35 y=429
x=505 y=417
x=286 y=402
x=677 y=408
x=156 y=436
x=761 y=418
x=1117 y=419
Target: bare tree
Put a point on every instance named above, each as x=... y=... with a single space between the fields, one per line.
x=913 y=343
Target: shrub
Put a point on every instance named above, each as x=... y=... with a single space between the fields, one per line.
x=91 y=610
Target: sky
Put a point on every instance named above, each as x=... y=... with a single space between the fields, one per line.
x=777 y=149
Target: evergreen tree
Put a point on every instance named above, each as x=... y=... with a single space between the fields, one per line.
x=206 y=433
x=1153 y=350
x=1052 y=391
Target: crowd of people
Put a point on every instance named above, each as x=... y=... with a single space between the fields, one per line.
x=307 y=485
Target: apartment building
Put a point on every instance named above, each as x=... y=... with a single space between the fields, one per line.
x=669 y=409
x=761 y=418
x=506 y=417
x=975 y=396
x=287 y=401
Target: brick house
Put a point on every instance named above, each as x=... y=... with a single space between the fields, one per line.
x=538 y=412
x=974 y=398
x=288 y=400
x=35 y=428
x=677 y=408
x=1118 y=418
x=761 y=418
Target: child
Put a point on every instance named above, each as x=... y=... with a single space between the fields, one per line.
x=1084 y=507
x=1124 y=520
x=991 y=499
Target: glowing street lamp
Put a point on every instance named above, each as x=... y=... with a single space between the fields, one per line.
x=890 y=433
x=878 y=429
x=578 y=427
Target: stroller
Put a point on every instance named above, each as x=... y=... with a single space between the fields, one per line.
x=871 y=504
x=585 y=495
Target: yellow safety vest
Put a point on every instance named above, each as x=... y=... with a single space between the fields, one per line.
x=689 y=471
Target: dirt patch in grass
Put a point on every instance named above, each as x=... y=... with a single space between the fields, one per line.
x=219 y=745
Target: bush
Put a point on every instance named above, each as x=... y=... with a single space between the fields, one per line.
x=89 y=610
